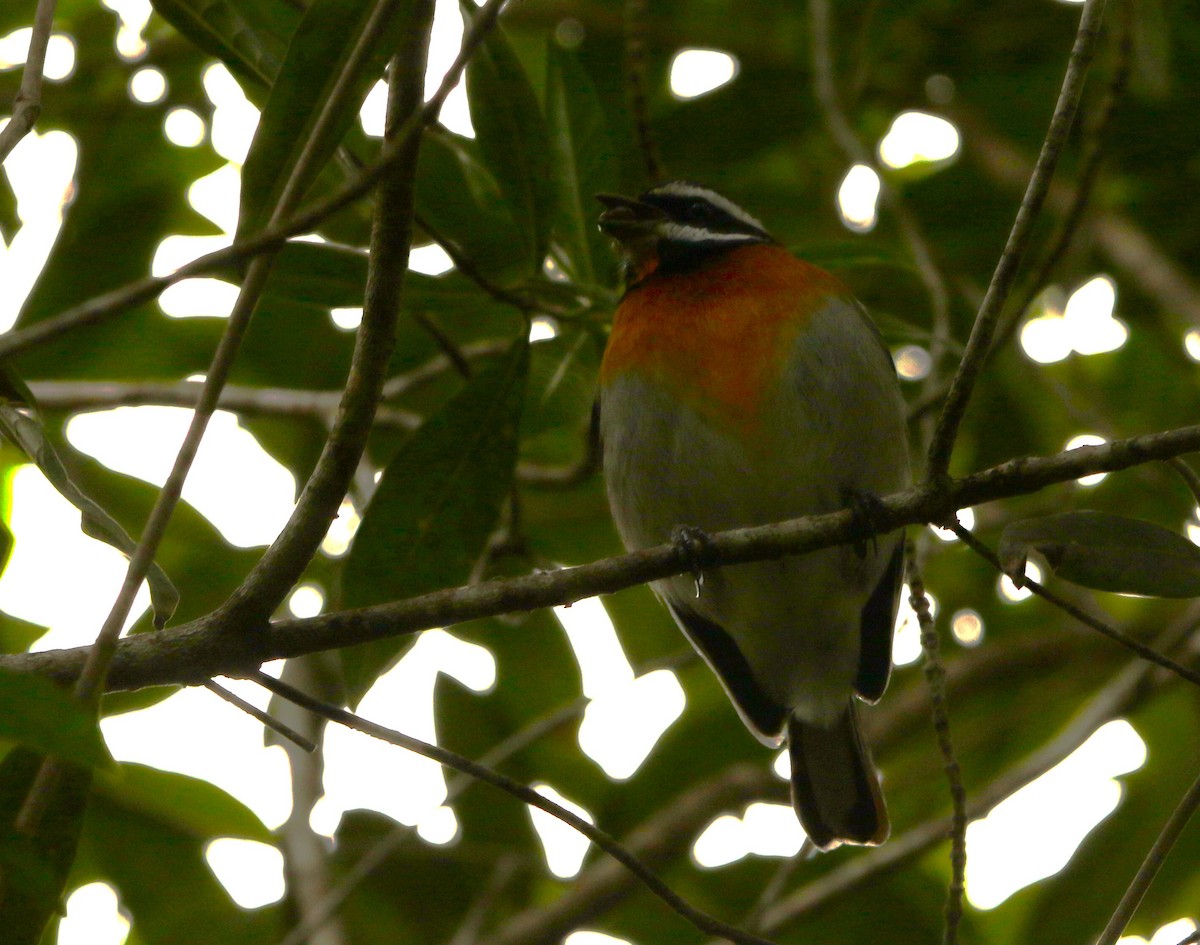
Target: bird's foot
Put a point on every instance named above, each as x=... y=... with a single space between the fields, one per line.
x=870 y=515
x=690 y=543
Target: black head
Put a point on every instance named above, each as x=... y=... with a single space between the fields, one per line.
x=674 y=226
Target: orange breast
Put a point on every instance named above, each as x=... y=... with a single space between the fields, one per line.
x=717 y=336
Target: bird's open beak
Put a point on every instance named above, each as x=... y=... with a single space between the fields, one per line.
x=626 y=218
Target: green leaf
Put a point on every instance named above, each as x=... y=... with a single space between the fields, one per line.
x=436 y=505
x=250 y=38
x=185 y=804
x=33 y=897
x=17 y=635
x=28 y=434
x=325 y=274
x=320 y=50
x=512 y=138
x=37 y=713
x=10 y=222
x=1106 y=553
x=146 y=833
x=461 y=199
x=584 y=164
x=562 y=382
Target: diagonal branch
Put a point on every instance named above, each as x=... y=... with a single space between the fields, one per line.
x=213 y=646
x=701 y=920
x=391 y=234
x=27 y=106
x=1018 y=241
x=1151 y=865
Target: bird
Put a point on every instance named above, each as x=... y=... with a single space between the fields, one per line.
x=742 y=386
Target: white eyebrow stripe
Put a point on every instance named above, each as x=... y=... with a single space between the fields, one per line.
x=683 y=189
x=697 y=234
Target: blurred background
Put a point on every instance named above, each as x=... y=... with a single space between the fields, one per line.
x=135 y=168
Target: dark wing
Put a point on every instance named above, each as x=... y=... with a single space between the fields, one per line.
x=878 y=621
x=757 y=709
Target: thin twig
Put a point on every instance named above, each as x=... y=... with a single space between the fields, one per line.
x=1151 y=865
x=1189 y=476
x=27 y=105
x=636 y=84
x=935 y=677
x=391 y=235
x=265 y=718
x=840 y=129
x=216 y=646
x=1090 y=164
x=972 y=362
x=267 y=401
x=1145 y=652
x=701 y=920
x=456 y=786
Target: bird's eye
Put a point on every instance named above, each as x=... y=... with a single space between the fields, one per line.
x=701 y=210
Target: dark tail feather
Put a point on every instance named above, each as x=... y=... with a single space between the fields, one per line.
x=835 y=788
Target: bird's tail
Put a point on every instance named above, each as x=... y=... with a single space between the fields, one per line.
x=835 y=787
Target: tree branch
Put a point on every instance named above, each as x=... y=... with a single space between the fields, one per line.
x=1018 y=240
x=27 y=106
x=935 y=675
x=304 y=220
x=213 y=646
x=283 y=563
x=1151 y=865
x=701 y=920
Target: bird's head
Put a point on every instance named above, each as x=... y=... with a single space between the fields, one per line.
x=675 y=226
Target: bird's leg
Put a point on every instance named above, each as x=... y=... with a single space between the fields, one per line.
x=869 y=514
x=690 y=543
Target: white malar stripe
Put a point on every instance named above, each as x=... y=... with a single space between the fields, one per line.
x=679 y=233
x=683 y=189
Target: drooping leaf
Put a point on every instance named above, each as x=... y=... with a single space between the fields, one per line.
x=10 y=222
x=37 y=713
x=188 y=804
x=28 y=434
x=41 y=861
x=1106 y=552
x=583 y=165
x=512 y=138
x=436 y=505
x=17 y=635
x=460 y=198
x=320 y=50
x=250 y=38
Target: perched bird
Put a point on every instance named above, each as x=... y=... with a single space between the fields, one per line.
x=742 y=386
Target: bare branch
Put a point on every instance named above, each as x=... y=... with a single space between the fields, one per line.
x=215 y=645
x=1018 y=240
x=1151 y=865
x=635 y=84
x=27 y=106
x=701 y=920
x=935 y=676
x=279 y=728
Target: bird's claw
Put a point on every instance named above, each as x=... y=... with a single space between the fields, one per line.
x=690 y=542
x=869 y=514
